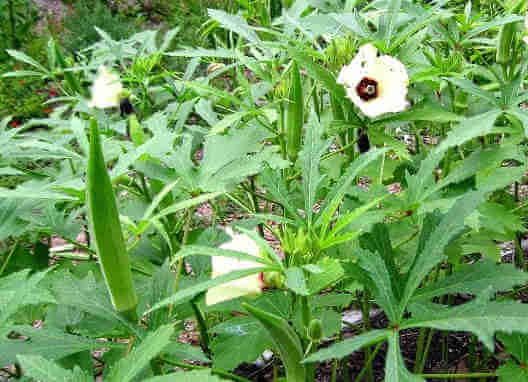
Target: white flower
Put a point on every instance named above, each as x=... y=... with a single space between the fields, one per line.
x=250 y=285
x=106 y=89
x=376 y=84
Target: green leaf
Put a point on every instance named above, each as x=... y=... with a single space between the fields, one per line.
x=201 y=52
x=87 y=296
x=187 y=293
x=470 y=128
x=378 y=240
x=318 y=73
x=178 y=352
x=346 y=347
x=228 y=159
x=190 y=250
x=20 y=56
x=384 y=292
x=186 y=204
x=387 y=23
x=433 y=252
x=497 y=22
x=395 y=369
x=479 y=316
x=189 y=376
x=512 y=372
x=22 y=73
x=330 y=273
x=473 y=279
x=238 y=340
x=50 y=342
x=421 y=112
x=498 y=178
x=18 y=294
x=522 y=115
x=336 y=195
x=41 y=369
x=127 y=368
x=10 y=224
x=286 y=340
x=473 y=89
x=234 y=23
x=229 y=121
x=516 y=344
x=296 y=281
x=479 y=160
x=313 y=149
x=106 y=230
x=21 y=192
x=275 y=185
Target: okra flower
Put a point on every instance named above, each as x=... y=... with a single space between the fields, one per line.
x=106 y=89
x=375 y=84
x=250 y=285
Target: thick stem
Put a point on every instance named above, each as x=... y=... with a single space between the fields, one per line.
x=365 y=311
x=179 y=266
x=202 y=325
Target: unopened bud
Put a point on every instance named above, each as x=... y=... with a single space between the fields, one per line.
x=315 y=330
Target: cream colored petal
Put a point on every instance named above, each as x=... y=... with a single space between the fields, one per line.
x=367 y=53
x=106 y=89
x=525 y=39
x=388 y=72
x=250 y=285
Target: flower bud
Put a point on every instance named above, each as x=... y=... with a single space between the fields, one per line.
x=315 y=330
x=274 y=280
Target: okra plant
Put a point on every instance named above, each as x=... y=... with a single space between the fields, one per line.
x=325 y=158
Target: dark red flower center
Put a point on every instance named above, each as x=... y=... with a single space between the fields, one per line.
x=367 y=89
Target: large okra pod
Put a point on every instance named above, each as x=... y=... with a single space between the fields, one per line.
x=106 y=231
x=294 y=114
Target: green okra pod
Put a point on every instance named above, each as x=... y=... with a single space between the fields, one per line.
x=106 y=231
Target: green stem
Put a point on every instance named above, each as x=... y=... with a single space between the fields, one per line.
x=145 y=189
x=457 y=376
x=426 y=351
x=365 y=310
x=254 y=200
x=179 y=267
x=12 y=22
x=4 y=265
x=334 y=371
x=368 y=363
x=419 y=349
x=202 y=325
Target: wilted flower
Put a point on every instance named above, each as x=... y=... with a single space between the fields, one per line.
x=106 y=89
x=376 y=84
x=250 y=285
x=213 y=67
